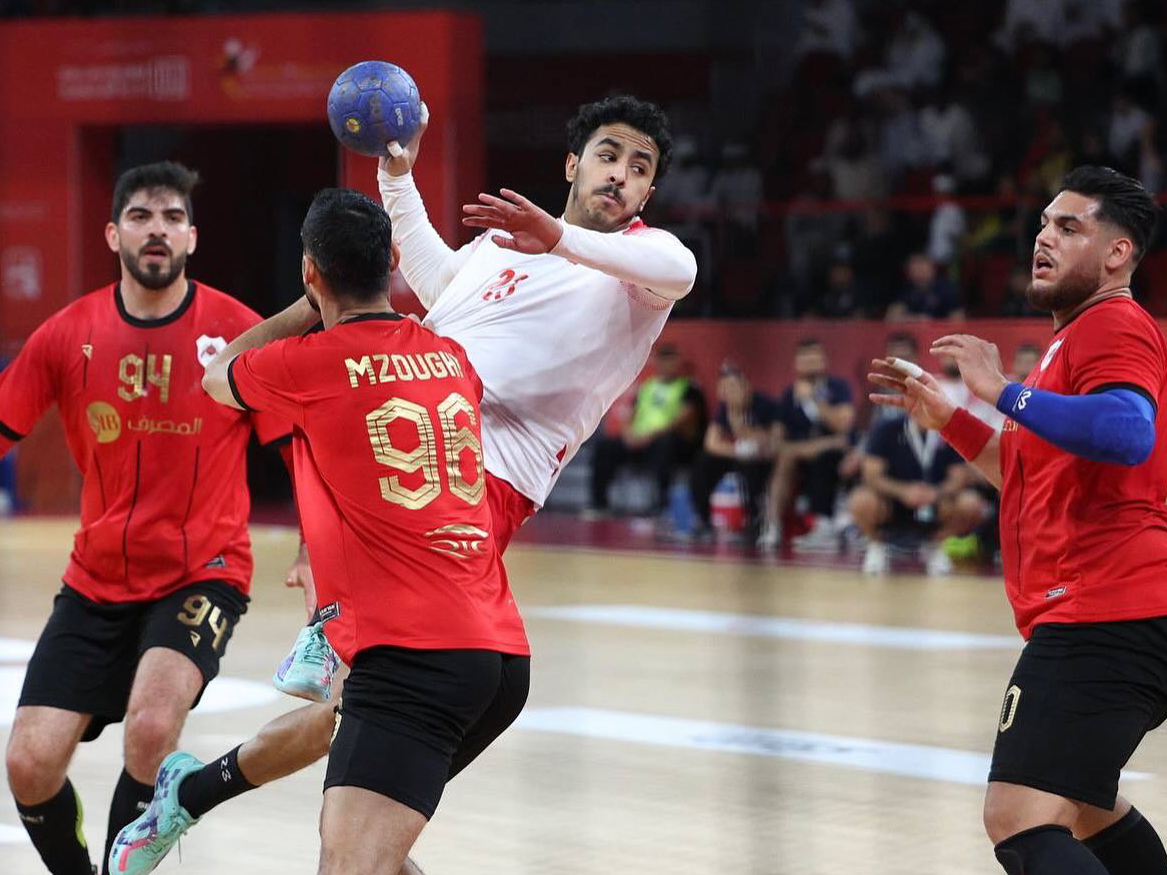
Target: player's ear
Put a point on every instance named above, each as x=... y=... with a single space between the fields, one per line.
x=194 y=240
x=394 y=256
x=307 y=270
x=112 y=239
x=1121 y=250
x=572 y=166
x=647 y=198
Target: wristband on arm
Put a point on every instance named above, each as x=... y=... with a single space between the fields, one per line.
x=1115 y=424
x=966 y=434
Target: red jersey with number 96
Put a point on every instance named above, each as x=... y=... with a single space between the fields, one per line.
x=164 y=501
x=1085 y=541
x=390 y=484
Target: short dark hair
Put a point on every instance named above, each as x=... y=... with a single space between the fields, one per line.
x=350 y=239
x=648 y=118
x=168 y=175
x=1122 y=201
x=808 y=343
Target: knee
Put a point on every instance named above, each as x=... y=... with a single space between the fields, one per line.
x=35 y=770
x=864 y=505
x=324 y=721
x=151 y=733
x=969 y=509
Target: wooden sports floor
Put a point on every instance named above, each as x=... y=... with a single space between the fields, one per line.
x=688 y=715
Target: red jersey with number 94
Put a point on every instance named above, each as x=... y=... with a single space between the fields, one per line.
x=164 y=501
x=1085 y=541
x=390 y=484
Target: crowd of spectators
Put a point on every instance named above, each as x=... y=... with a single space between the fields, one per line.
x=812 y=468
x=900 y=171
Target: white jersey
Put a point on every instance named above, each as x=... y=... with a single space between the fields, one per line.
x=555 y=338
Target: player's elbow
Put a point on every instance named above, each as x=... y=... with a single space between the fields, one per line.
x=215 y=383
x=1135 y=445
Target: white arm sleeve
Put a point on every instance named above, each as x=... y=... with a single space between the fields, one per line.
x=426 y=261
x=652 y=258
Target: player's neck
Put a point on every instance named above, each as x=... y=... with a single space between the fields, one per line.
x=1064 y=317
x=334 y=312
x=148 y=304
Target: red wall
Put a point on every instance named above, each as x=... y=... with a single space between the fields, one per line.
x=65 y=85
x=58 y=77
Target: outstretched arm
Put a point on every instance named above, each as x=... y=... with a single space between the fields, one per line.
x=652 y=259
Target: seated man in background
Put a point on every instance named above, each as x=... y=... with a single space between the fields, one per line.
x=743 y=437
x=817 y=416
x=929 y=294
x=913 y=483
x=899 y=345
x=663 y=434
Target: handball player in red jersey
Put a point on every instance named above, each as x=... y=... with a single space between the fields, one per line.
x=392 y=491
x=1082 y=469
x=161 y=564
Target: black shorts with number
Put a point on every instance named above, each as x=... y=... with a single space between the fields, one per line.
x=88 y=652
x=1081 y=699
x=410 y=720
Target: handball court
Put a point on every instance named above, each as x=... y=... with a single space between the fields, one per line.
x=688 y=714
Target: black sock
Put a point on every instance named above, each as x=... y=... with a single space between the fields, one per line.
x=215 y=782
x=130 y=799
x=1129 y=847
x=55 y=829
x=1047 y=850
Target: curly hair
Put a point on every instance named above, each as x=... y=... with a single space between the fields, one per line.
x=648 y=118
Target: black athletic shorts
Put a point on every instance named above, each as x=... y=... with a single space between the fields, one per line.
x=1081 y=699
x=409 y=720
x=88 y=652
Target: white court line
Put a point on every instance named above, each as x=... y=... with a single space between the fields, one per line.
x=717 y=623
x=12 y=835
x=895 y=758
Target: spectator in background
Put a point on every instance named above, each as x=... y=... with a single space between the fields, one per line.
x=663 y=434
x=737 y=190
x=848 y=159
x=950 y=137
x=1025 y=359
x=1016 y=301
x=743 y=438
x=828 y=26
x=899 y=345
x=914 y=484
x=916 y=53
x=845 y=296
x=958 y=393
x=928 y=295
x=817 y=414
x=879 y=251
x=1137 y=50
x=1128 y=124
x=948 y=225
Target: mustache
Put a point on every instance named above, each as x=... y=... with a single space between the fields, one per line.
x=155 y=243
x=611 y=191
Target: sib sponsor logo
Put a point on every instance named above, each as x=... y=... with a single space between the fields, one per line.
x=104 y=421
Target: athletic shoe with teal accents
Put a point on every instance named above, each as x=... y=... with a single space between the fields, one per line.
x=141 y=846
x=307 y=671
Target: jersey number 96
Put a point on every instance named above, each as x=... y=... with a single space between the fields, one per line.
x=424 y=457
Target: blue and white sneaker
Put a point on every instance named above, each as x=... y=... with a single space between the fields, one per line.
x=307 y=671
x=141 y=845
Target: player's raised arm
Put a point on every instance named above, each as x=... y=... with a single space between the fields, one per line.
x=426 y=261
x=646 y=257
x=1114 y=424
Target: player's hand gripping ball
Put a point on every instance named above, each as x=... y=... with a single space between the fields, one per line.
x=371 y=104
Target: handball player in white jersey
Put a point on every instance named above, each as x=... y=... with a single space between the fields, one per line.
x=557 y=316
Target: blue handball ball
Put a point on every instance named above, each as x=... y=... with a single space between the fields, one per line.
x=372 y=103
